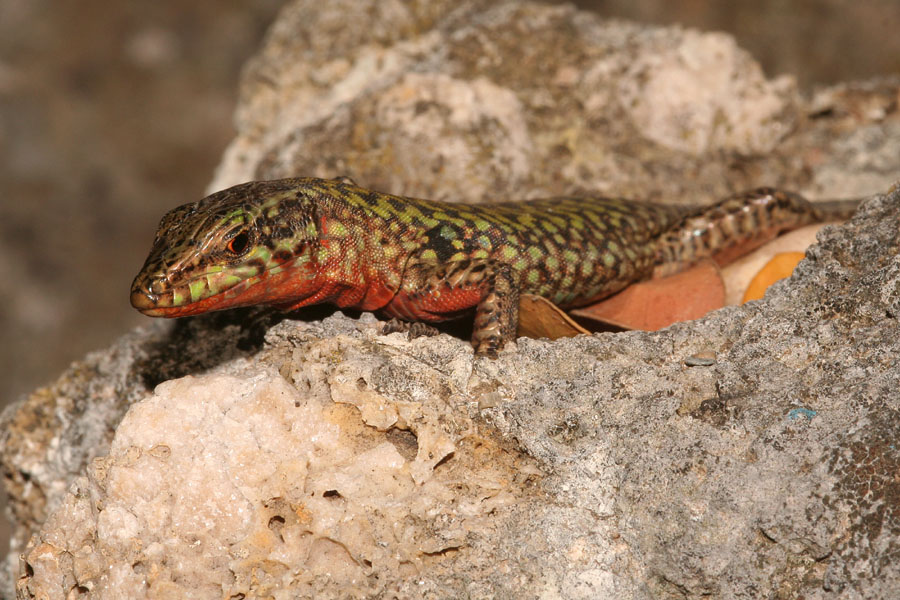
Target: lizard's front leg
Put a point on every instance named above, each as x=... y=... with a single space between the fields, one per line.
x=433 y=292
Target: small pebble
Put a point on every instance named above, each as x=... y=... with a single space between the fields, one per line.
x=701 y=359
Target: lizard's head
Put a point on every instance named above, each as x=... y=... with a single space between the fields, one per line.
x=230 y=249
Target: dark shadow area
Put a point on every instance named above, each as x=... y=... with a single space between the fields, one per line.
x=197 y=344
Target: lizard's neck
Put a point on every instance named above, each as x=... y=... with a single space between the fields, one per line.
x=358 y=263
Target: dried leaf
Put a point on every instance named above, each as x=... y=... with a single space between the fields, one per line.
x=780 y=266
x=654 y=304
x=540 y=318
x=738 y=274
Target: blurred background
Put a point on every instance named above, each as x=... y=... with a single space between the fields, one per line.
x=111 y=113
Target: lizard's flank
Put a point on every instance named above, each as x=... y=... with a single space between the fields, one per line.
x=294 y=242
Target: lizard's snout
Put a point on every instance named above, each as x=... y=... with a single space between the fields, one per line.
x=143 y=296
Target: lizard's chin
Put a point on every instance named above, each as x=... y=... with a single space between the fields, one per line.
x=151 y=308
x=168 y=311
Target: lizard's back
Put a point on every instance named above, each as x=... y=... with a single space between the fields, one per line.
x=569 y=250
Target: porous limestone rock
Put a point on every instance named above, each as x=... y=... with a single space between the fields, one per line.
x=476 y=100
x=221 y=485
x=245 y=454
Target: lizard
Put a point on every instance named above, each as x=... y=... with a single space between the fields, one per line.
x=295 y=242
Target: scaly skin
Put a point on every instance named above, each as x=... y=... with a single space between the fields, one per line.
x=295 y=242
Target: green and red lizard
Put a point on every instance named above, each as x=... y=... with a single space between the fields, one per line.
x=295 y=242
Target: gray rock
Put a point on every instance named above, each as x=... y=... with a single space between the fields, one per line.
x=322 y=458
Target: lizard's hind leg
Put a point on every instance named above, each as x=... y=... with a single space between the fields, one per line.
x=497 y=314
x=437 y=292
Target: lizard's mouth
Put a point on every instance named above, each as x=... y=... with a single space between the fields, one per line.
x=155 y=295
x=144 y=301
x=158 y=297
x=149 y=305
x=183 y=288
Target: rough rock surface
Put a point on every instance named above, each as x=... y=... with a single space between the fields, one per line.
x=286 y=458
x=479 y=100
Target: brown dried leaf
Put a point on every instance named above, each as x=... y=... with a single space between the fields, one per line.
x=540 y=318
x=654 y=304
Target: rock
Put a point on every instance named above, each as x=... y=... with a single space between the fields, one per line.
x=473 y=101
x=244 y=454
x=238 y=484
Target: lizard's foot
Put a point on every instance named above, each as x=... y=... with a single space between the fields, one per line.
x=488 y=348
x=412 y=330
x=395 y=325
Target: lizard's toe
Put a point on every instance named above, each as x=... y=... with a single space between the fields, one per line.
x=419 y=329
x=395 y=325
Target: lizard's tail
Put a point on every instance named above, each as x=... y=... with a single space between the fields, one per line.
x=739 y=224
x=836 y=210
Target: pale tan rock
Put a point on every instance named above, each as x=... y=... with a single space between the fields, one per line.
x=219 y=485
x=707 y=94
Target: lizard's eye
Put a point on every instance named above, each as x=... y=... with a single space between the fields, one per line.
x=239 y=243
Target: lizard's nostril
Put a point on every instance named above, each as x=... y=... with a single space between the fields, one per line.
x=157 y=286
